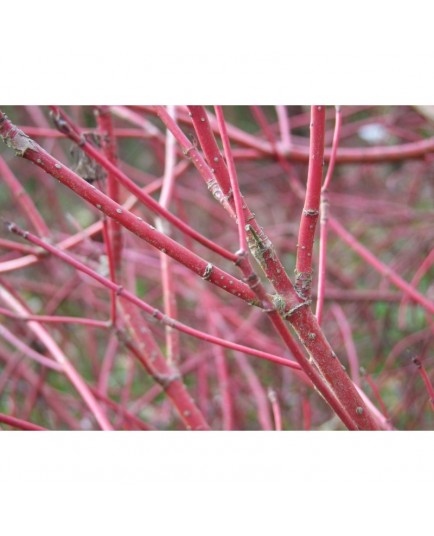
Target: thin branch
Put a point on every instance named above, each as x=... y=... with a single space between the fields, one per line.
x=306 y=235
x=20 y=424
x=238 y=198
x=276 y=409
x=324 y=209
x=24 y=201
x=167 y=276
x=426 y=380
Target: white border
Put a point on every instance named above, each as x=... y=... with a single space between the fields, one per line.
x=216 y=483
x=167 y=52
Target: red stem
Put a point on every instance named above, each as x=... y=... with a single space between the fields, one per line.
x=426 y=380
x=307 y=413
x=112 y=266
x=324 y=209
x=108 y=142
x=116 y=407
x=377 y=394
x=310 y=213
x=238 y=201
x=276 y=409
x=258 y=392
x=56 y=319
x=420 y=272
x=345 y=329
x=29 y=209
x=20 y=424
x=107 y=364
x=167 y=276
x=285 y=128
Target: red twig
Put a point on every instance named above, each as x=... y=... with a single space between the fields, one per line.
x=108 y=143
x=20 y=424
x=129 y=417
x=420 y=272
x=167 y=279
x=258 y=392
x=56 y=319
x=107 y=364
x=223 y=377
x=311 y=207
x=307 y=413
x=23 y=200
x=285 y=128
x=324 y=208
x=276 y=409
x=238 y=200
x=345 y=329
x=377 y=394
x=111 y=229
x=426 y=380
x=33 y=395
